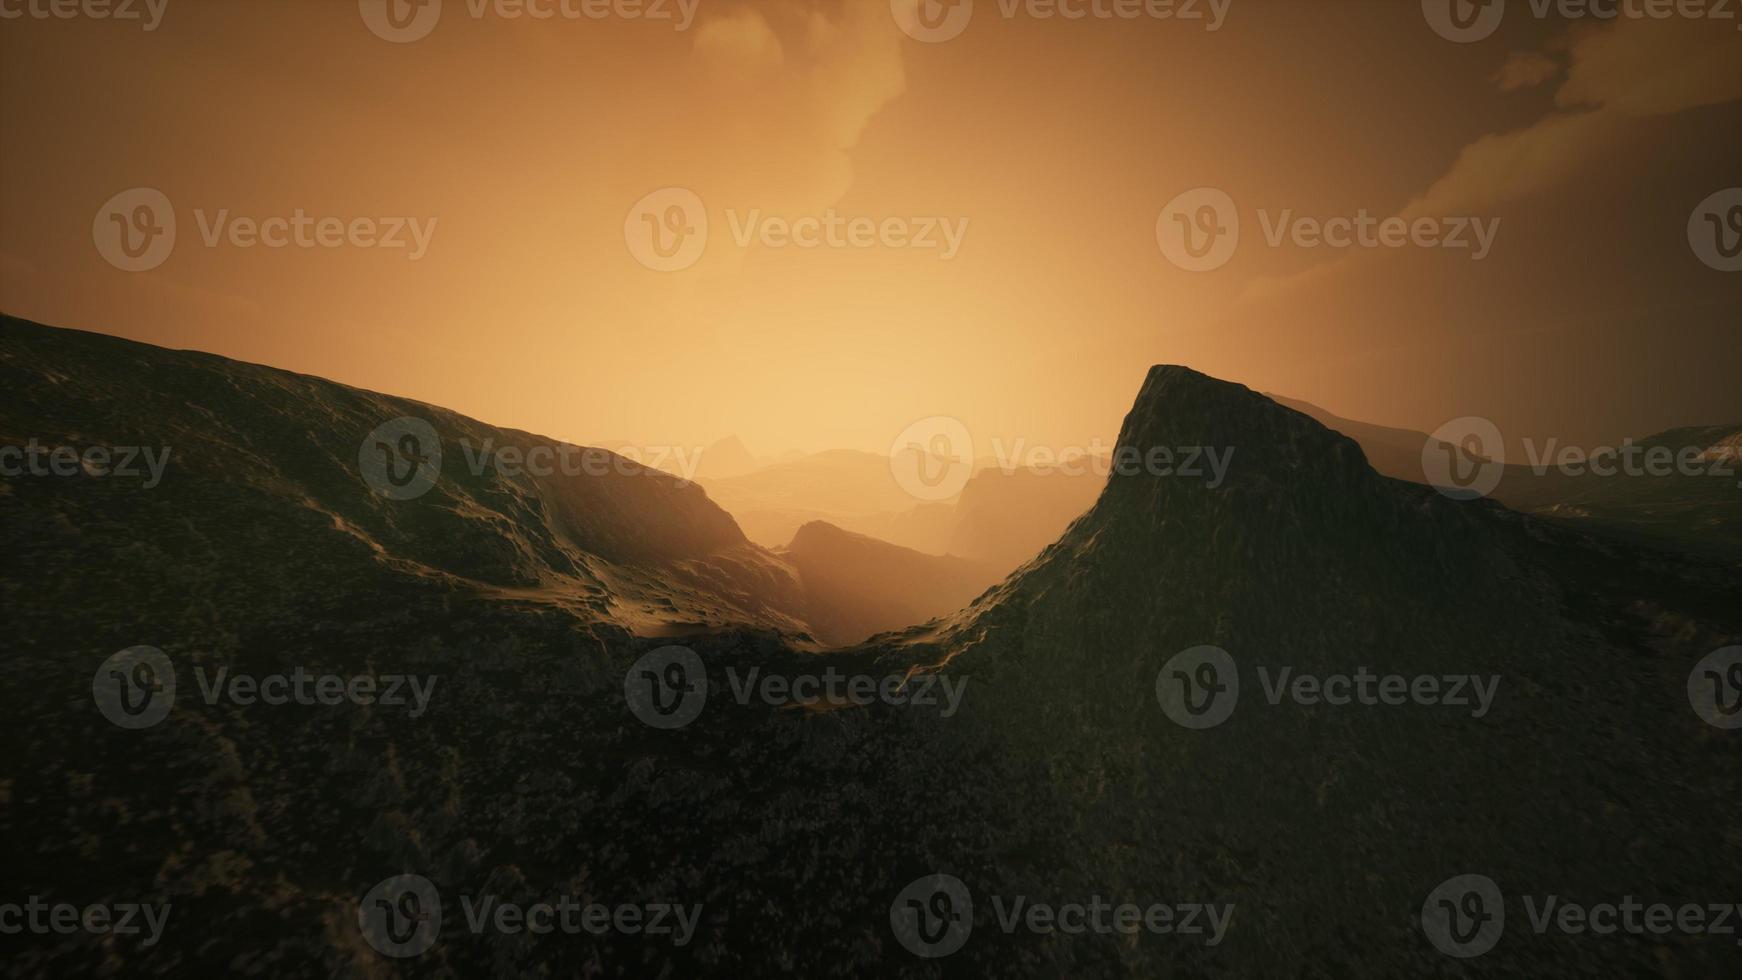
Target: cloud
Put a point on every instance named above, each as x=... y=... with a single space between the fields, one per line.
x=761 y=118
x=816 y=75
x=1505 y=167
x=1654 y=67
x=1619 y=73
x=855 y=68
x=1525 y=69
x=844 y=63
x=739 y=42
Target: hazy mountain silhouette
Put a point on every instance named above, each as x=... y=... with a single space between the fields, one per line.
x=724 y=458
x=856 y=585
x=1005 y=517
x=1392 y=451
x=1683 y=512
x=845 y=487
x=1001 y=518
x=1061 y=777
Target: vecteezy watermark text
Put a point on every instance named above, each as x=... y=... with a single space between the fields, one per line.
x=564 y=459
x=667 y=230
x=1199 y=231
x=136 y=688
x=401 y=459
x=934 y=457
x=120 y=919
x=834 y=230
x=404 y=21
x=1466 y=458
x=147 y=13
x=835 y=687
x=301 y=230
x=135 y=231
x=35 y=459
x=934 y=21
x=1465 y=916
x=934 y=916
x=1469 y=21
x=402 y=917
x=1199 y=688
x=1715 y=229
x=668 y=687
x=1715 y=688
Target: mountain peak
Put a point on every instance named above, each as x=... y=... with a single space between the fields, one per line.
x=725 y=457
x=1228 y=516
x=1184 y=420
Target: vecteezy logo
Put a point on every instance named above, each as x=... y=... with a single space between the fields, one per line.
x=932 y=458
x=1198 y=687
x=1465 y=458
x=933 y=916
x=1715 y=688
x=401 y=459
x=667 y=687
x=667 y=230
x=135 y=688
x=135 y=230
x=400 y=21
x=1715 y=230
x=932 y=21
x=1199 y=230
x=1464 y=21
x=1464 y=916
x=401 y=916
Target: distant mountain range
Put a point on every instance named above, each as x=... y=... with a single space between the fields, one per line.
x=1001 y=518
x=1004 y=516
x=1080 y=757
x=1684 y=512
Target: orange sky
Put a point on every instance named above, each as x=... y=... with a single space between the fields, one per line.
x=1051 y=145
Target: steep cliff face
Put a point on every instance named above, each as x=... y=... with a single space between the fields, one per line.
x=1331 y=821
x=1296 y=538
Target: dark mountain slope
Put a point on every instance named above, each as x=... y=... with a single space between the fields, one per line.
x=264 y=470
x=1590 y=776
x=1060 y=778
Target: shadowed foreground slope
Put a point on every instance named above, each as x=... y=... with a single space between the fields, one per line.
x=1057 y=775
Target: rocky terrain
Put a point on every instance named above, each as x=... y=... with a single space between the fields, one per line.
x=528 y=606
